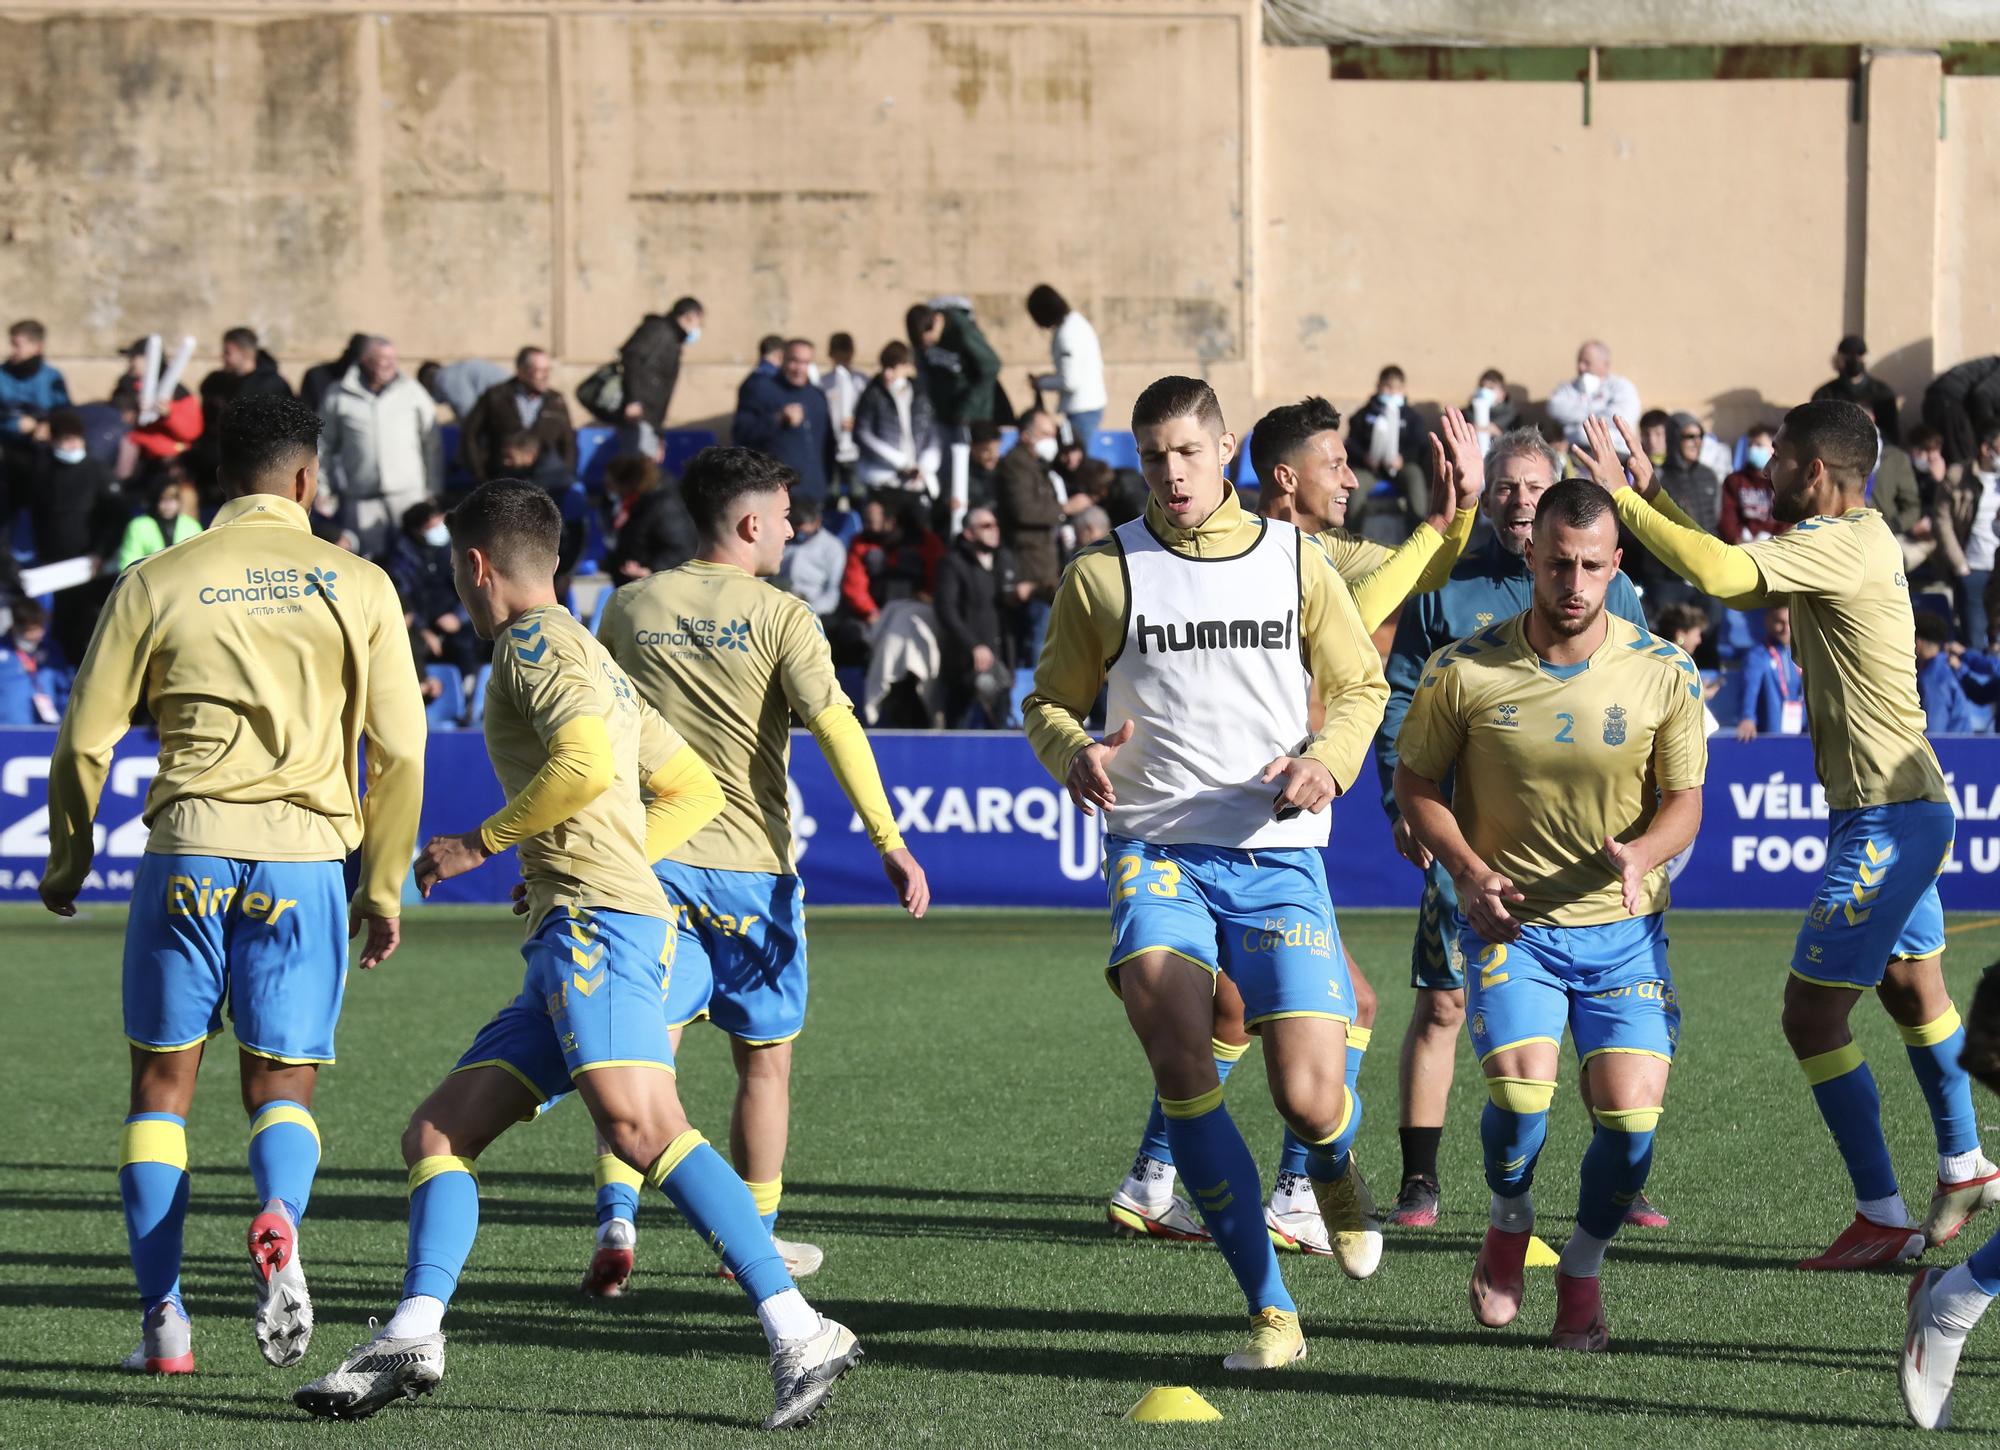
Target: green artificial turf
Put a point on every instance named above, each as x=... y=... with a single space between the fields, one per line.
x=965 y=1098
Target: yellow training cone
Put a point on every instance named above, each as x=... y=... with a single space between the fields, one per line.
x=1540 y=1255
x=1171 y=1405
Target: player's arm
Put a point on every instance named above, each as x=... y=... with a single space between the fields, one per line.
x=108 y=684
x=1347 y=683
x=1680 y=764
x=1086 y=627
x=394 y=728
x=682 y=793
x=805 y=671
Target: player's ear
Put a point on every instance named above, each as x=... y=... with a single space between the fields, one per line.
x=1225 y=447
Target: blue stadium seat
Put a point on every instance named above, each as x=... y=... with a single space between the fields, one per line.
x=843 y=524
x=596 y=446
x=476 y=714
x=1117 y=447
x=1241 y=472
x=447 y=711
x=679 y=446
x=457 y=478
x=17 y=692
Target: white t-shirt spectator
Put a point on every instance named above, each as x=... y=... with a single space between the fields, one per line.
x=1983 y=543
x=842 y=387
x=1607 y=397
x=1079 y=362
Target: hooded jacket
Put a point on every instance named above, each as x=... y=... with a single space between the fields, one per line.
x=968 y=393
x=381 y=445
x=1693 y=486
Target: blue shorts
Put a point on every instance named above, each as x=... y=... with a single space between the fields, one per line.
x=1437 y=961
x=742 y=956
x=1879 y=899
x=1261 y=916
x=591 y=998
x=1608 y=984
x=265 y=939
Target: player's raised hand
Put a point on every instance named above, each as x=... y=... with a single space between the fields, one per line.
x=1088 y=783
x=1408 y=846
x=1633 y=866
x=1468 y=462
x=1483 y=897
x=444 y=857
x=1600 y=458
x=1637 y=463
x=385 y=934
x=62 y=903
x=1308 y=785
x=1444 y=487
x=913 y=888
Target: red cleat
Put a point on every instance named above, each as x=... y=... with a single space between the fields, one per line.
x=611 y=1264
x=1579 y=1315
x=1643 y=1214
x=1496 y=1277
x=1864 y=1243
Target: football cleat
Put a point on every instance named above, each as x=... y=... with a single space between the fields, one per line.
x=1643 y=1214
x=1497 y=1277
x=375 y=1374
x=1864 y=1243
x=1300 y=1230
x=284 y=1309
x=804 y=1372
x=800 y=1259
x=166 y=1342
x=611 y=1263
x=1275 y=1341
x=1930 y=1357
x=1953 y=1203
x=1353 y=1228
x=1579 y=1314
x=1416 y=1205
x=1174 y=1220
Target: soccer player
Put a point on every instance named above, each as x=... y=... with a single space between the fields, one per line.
x=1489 y=584
x=1301 y=461
x=1211 y=628
x=1577 y=743
x=728 y=660
x=571 y=742
x=1945 y=1304
x=1876 y=921
x=266 y=657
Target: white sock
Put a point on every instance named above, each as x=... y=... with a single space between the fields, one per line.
x=1890 y=1212
x=1583 y=1255
x=277 y=1205
x=627 y=1231
x=1150 y=1181
x=1293 y=1193
x=1957 y=1167
x=1957 y=1301
x=786 y=1315
x=1514 y=1215
x=416 y=1317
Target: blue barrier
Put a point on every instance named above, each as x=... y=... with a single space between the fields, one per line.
x=993 y=830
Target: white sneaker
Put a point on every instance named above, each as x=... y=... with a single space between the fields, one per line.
x=801 y=1260
x=284 y=1309
x=373 y=1375
x=1294 y=1219
x=166 y=1342
x=804 y=1372
x=611 y=1262
x=1174 y=1220
x=1930 y=1357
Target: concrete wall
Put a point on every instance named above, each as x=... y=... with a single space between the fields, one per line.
x=468 y=179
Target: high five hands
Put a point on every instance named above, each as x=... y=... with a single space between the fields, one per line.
x=1601 y=462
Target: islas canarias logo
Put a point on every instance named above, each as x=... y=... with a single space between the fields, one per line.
x=700 y=634
x=272 y=586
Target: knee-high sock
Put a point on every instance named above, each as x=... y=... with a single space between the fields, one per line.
x=767 y=1196
x=1615 y=1166
x=444 y=1220
x=1845 y=1090
x=719 y=1207
x=284 y=1155
x=1327 y=1161
x=1934 y=1048
x=1512 y=1130
x=1155 y=1145
x=153 y=1183
x=1216 y=1165
x=1292 y=1152
x=617 y=1189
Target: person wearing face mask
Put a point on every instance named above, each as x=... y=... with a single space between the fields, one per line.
x=419 y=565
x=1745 y=515
x=1853 y=383
x=1385 y=438
x=650 y=362
x=895 y=435
x=1488 y=408
x=1594 y=392
x=1031 y=513
x=74 y=511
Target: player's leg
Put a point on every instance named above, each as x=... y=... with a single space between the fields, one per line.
x=284 y=1156
x=1145 y=1203
x=1643 y=1212
x=1293 y=1212
x=1430 y=1049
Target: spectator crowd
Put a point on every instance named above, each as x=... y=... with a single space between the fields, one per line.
x=934 y=512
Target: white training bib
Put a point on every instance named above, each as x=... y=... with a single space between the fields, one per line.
x=1213 y=677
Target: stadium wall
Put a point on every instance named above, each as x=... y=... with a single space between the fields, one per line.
x=472 y=176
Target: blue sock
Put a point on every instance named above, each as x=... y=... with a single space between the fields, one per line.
x=1615 y=1166
x=1293 y=1151
x=720 y=1208
x=1845 y=1091
x=767 y=1197
x=1512 y=1130
x=153 y=1183
x=1218 y=1169
x=284 y=1155
x=1934 y=1049
x=1984 y=1266
x=1155 y=1145
x=1328 y=1162
x=444 y=1220
x=617 y=1189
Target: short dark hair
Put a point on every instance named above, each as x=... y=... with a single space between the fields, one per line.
x=515 y=524
x=520 y=438
x=66 y=423
x=29 y=613
x=1391 y=371
x=263 y=437
x=1095 y=478
x=717 y=478
x=840 y=342
x=770 y=342
x=420 y=513
x=804 y=342
x=1655 y=418
x=985 y=431
x=684 y=305
x=1284 y=430
x=1497 y=376
x=521 y=357
x=1769 y=430
x=1575 y=503
x=894 y=355
x=1981 y=1055
x=1046 y=306
x=1989 y=434
x=1671 y=619
x=1177 y=397
x=240 y=337
x=633 y=473
x=29 y=328
x=1841 y=435
x=1923 y=436
x=1933 y=627
x=917 y=321
x=805 y=509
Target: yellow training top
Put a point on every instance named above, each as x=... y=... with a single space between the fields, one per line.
x=1853 y=633
x=265 y=656
x=729 y=659
x=1087 y=628
x=1381 y=578
x=571 y=742
x=1553 y=759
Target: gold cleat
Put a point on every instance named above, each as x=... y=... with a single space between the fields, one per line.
x=1275 y=1341
x=1353 y=1225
